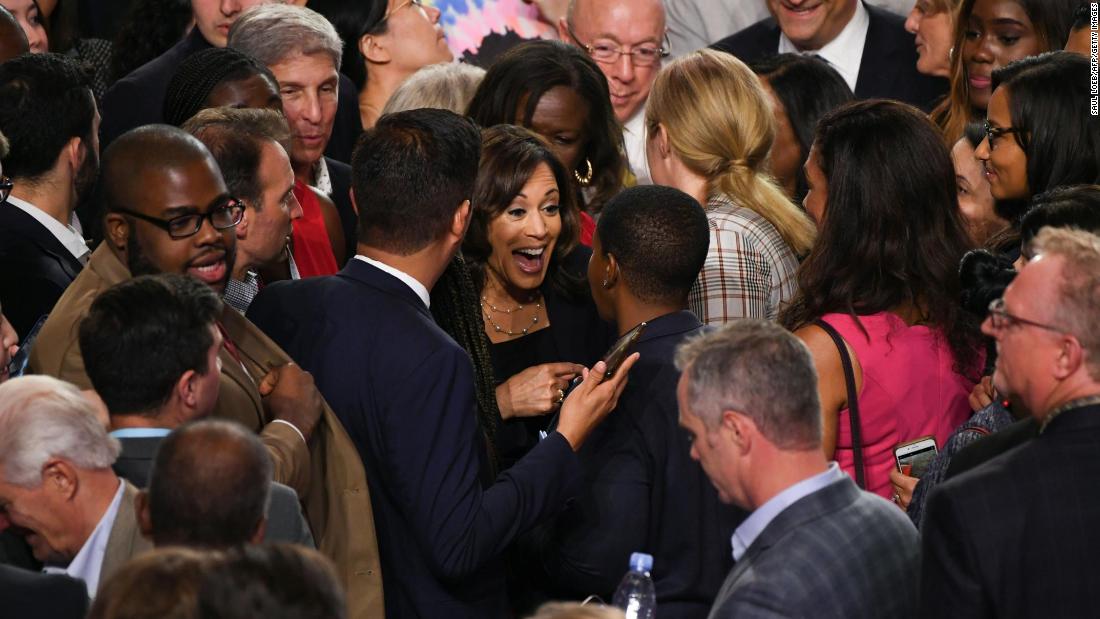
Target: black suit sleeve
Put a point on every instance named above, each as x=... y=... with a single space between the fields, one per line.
x=949 y=565
x=430 y=453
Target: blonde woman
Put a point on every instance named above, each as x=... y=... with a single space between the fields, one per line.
x=710 y=130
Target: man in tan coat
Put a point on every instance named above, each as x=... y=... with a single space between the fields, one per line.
x=168 y=211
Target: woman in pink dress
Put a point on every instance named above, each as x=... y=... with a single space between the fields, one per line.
x=883 y=275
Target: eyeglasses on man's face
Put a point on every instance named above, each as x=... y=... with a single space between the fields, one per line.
x=226 y=213
x=992 y=134
x=6 y=185
x=1000 y=319
x=606 y=51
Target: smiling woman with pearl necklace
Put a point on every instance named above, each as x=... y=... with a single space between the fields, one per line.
x=528 y=269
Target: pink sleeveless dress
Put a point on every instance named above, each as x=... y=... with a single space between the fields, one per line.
x=910 y=390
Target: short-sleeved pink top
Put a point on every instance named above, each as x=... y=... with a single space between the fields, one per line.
x=910 y=390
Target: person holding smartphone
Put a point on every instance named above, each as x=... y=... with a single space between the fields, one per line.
x=644 y=493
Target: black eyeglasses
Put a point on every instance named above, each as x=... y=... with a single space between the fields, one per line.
x=6 y=185
x=225 y=215
x=1000 y=319
x=606 y=52
x=993 y=133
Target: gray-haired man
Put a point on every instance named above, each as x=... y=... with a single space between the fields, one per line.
x=815 y=545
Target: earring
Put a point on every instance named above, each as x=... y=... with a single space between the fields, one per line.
x=587 y=178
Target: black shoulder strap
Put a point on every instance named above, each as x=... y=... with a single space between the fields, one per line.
x=853 y=401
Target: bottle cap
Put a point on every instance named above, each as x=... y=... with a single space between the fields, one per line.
x=641 y=562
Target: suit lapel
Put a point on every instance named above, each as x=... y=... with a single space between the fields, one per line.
x=27 y=227
x=126 y=540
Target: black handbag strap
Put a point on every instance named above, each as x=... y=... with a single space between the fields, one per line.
x=853 y=401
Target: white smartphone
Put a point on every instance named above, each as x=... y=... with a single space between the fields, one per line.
x=915 y=456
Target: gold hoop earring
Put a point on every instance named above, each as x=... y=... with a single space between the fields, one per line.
x=587 y=178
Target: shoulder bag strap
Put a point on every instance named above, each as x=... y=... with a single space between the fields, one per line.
x=853 y=401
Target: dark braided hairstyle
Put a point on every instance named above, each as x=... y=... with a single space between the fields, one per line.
x=200 y=74
x=455 y=305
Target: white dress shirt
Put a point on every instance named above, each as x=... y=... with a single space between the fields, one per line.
x=88 y=562
x=634 y=139
x=845 y=52
x=410 y=281
x=755 y=524
x=67 y=235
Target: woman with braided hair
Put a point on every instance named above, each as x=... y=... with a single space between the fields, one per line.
x=711 y=130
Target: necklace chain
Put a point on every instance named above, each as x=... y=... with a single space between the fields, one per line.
x=499 y=329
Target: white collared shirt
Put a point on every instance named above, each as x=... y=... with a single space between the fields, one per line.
x=845 y=52
x=321 y=180
x=67 y=235
x=410 y=281
x=634 y=139
x=754 y=525
x=87 y=563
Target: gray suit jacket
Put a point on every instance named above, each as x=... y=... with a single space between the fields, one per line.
x=838 y=552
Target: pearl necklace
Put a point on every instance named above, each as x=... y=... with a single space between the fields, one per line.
x=499 y=329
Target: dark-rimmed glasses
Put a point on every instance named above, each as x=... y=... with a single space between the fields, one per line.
x=992 y=134
x=1000 y=319
x=6 y=185
x=224 y=216
x=644 y=55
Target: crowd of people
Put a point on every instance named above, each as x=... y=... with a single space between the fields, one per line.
x=300 y=317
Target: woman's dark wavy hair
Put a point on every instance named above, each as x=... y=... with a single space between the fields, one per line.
x=509 y=156
x=353 y=19
x=892 y=233
x=152 y=27
x=1076 y=206
x=1048 y=97
x=517 y=81
x=808 y=88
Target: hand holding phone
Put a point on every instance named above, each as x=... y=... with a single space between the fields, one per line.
x=915 y=456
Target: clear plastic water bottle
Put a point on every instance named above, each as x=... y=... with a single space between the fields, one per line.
x=636 y=595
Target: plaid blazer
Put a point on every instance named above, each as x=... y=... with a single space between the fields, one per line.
x=749 y=271
x=839 y=552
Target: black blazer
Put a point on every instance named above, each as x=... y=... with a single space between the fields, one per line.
x=643 y=493
x=36 y=268
x=33 y=595
x=1018 y=535
x=888 y=68
x=404 y=391
x=340 y=175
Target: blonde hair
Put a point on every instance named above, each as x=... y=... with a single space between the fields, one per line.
x=721 y=126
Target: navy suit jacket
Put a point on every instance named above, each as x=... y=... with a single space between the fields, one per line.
x=887 y=69
x=36 y=268
x=340 y=175
x=1017 y=536
x=643 y=494
x=33 y=595
x=405 y=392
x=838 y=552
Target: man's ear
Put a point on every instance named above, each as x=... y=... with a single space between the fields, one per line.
x=1071 y=356
x=242 y=228
x=739 y=429
x=117 y=231
x=185 y=388
x=141 y=511
x=612 y=274
x=60 y=477
x=74 y=153
x=373 y=49
x=461 y=220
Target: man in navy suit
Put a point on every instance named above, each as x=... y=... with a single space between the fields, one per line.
x=48 y=113
x=867 y=45
x=405 y=390
x=815 y=545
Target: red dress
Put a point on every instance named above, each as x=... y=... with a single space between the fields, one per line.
x=309 y=241
x=588 y=228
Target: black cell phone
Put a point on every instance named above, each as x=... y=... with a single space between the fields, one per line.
x=18 y=365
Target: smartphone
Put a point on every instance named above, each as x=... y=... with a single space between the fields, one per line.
x=615 y=356
x=915 y=456
x=18 y=365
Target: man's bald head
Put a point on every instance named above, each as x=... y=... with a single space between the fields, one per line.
x=619 y=24
x=209 y=486
x=13 y=41
x=137 y=154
